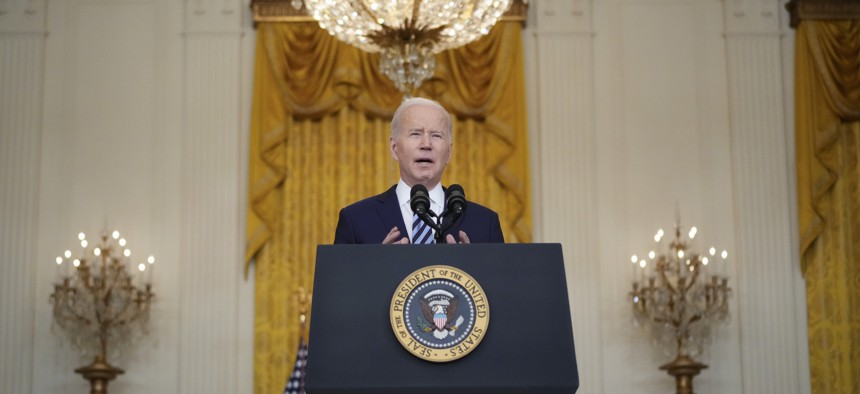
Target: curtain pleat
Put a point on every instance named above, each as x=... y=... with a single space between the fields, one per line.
x=319 y=141
x=827 y=102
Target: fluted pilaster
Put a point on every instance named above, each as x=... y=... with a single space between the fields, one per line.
x=566 y=195
x=211 y=231
x=22 y=46
x=767 y=273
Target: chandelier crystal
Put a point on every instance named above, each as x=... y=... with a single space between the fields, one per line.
x=406 y=33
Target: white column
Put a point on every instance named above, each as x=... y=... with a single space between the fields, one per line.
x=565 y=187
x=22 y=47
x=211 y=232
x=772 y=344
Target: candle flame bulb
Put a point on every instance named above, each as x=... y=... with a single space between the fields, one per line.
x=141 y=267
x=68 y=253
x=115 y=234
x=59 y=260
x=83 y=243
x=97 y=252
x=81 y=236
x=122 y=242
x=725 y=254
x=151 y=260
x=634 y=259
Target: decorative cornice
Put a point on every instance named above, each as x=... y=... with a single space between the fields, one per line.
x=822 y=9
x=283 y=11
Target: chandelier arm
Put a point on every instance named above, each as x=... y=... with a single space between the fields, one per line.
x=695 y=276
x=369 y=12
x=694 y=318
x=74 y=315
x=132 y=314
x=662 y=270
x=416 y=8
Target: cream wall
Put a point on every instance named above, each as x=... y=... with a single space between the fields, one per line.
x=134 y=114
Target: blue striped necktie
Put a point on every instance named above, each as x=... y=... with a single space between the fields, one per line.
x=421 y=232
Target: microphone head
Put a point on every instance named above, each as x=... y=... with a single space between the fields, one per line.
x=419 y=199
x=456 y=199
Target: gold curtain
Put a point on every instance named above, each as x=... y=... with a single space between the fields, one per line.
x=319 y=141
x=827 y=100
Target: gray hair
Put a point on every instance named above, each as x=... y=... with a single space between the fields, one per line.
x=410 y=102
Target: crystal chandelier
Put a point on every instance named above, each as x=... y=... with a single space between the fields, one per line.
x=679 y=296
x=406 y=33
x=102 y=302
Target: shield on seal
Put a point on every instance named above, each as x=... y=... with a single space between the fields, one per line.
x=440 y=318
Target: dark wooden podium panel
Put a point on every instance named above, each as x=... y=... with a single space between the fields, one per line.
x=528 y=346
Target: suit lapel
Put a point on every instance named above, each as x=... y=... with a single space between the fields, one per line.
x=389 y=211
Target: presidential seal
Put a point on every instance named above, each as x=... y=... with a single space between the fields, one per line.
x=439 y=313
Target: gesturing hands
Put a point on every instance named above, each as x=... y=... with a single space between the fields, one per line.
x=394 y=237
x=464 y=239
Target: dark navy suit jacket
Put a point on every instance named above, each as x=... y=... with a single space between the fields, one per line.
x=369 y=221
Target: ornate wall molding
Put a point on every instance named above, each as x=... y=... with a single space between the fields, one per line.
x=564 y=16
x=767 y=272
x=22 y=16
x=211 y=16
x=751 y=16
x=567 y=167
x=822 y=9
x=211 y=232
x=21 y=79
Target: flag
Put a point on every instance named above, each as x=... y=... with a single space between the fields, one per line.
x=296 y=382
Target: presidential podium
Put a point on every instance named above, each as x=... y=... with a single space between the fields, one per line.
x=527 y=347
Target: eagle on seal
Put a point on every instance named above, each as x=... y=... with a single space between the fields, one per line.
x=437 y=315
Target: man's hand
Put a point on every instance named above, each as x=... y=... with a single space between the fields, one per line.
x=464 y=239
x=392 y=237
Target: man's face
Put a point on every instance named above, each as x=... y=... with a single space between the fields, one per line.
x=422 y=146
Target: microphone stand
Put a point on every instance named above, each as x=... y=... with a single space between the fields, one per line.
x=427 y=217
x=441 y=225
x=446 y=221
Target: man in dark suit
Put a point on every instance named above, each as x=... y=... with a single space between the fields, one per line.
x=421 y=142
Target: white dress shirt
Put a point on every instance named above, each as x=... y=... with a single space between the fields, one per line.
x=437 y=198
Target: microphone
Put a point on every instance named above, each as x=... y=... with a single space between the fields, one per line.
x=420 y=199
x=456 y=199
x=454 y=207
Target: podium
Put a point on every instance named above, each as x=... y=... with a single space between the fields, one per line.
x=527 y=348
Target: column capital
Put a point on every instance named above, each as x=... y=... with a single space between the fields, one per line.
x=754 y=17
x=22 y=16
x=563 y=16
x=213 y=16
